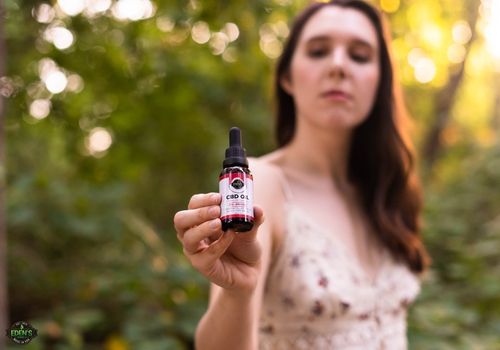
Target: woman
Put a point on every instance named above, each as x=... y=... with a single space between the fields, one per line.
x=336 y=261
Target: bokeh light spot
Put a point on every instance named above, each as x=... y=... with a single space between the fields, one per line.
x=99 y=140
x=40 y=109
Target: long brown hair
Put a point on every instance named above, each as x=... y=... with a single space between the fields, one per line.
x=381 y=160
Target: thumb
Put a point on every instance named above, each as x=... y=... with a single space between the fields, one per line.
x=258 y=217
x=258 y=220
x=245 y=246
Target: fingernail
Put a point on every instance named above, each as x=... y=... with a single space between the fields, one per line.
x=214 y=224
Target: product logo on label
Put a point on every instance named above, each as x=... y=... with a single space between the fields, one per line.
x=21 y=332
x=237 y=184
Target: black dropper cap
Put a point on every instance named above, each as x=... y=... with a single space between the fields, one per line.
x=235 y=154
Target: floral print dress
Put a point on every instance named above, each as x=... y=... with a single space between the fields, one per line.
x=317 y=298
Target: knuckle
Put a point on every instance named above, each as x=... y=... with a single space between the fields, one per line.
x=194 y=199
x=189 y=255
x=178 y=217
x=202 y=213
x=215 y=197
x=187 y=241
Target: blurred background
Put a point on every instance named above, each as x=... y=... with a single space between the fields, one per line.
x=116 y=111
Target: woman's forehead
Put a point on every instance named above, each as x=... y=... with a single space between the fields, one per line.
x=340 y=24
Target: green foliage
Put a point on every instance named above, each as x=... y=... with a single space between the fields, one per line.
x=93 y=258
x=92 y=255
x=460 y=304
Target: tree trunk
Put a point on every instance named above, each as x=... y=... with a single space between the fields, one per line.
x=444 y=99
x=3 y=233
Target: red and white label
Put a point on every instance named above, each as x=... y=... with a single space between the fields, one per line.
x=236 y=190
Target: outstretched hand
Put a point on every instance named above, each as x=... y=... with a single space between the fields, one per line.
x=228 y=259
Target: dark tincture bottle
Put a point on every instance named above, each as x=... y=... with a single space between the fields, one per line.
x=236 y=187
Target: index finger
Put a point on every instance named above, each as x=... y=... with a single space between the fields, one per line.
x=204 y=200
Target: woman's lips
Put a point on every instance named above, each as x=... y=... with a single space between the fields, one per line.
x=336 y=95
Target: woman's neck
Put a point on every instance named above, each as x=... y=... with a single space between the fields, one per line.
x=319 y=154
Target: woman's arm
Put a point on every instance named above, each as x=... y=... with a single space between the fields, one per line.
x=231 y=321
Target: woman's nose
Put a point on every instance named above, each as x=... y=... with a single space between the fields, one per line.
x=338 y=63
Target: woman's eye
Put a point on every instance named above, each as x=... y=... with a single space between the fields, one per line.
x=316 y=53
x=361 y=58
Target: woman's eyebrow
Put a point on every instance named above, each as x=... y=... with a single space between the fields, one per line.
x=363 y=43
x=318 y=38
x=355 y=40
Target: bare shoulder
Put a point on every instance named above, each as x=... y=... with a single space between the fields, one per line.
x=268 y=194
x=264 y=169
x=267 y=181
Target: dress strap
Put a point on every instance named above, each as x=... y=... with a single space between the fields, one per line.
x=285 y=185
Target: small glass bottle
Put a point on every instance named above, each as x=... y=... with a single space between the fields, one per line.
x=236 y=187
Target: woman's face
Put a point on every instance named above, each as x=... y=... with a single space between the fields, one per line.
x=334 y=72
